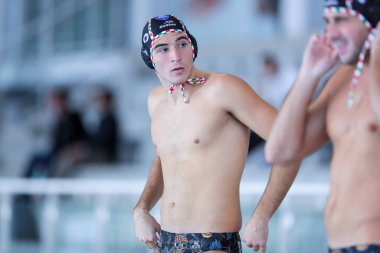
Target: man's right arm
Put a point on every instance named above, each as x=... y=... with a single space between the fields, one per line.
x=146 y=225
x=300 y=127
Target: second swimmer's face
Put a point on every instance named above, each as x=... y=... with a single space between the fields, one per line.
x=347 y=35
x=173 y=57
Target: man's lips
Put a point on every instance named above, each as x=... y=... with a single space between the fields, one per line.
x=178 y=69
x=340 y=46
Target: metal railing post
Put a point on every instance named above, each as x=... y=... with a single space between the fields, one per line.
x=102 y=218
x=50 y=217
x=5 y=223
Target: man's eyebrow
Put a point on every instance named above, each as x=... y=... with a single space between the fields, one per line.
x=165 y=44
x=160 y=45
x=181 y=38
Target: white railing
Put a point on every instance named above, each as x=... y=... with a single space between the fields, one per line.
x=101 y=190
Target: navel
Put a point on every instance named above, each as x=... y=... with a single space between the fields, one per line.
x=172 y=204
x=372 y=127
x=197 y=141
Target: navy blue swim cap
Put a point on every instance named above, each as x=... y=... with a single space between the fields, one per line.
x=159 y=26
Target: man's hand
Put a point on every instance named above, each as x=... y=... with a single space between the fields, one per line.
x=256 y=234
x=146 y=228
x=319 y=56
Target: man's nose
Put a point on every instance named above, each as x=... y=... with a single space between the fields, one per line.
x=175 y=55
x=332 y=31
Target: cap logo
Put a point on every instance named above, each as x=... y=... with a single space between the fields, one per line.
x=167 y=23
x=146 y=38
x=162 y=17
x=362 y=1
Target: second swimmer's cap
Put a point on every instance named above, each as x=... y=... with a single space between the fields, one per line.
x=159 y=26
x=370 y=9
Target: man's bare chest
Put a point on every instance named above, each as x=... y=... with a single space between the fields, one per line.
x=186 y=125
x=344 y=121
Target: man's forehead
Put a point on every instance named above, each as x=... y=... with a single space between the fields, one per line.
x=170 y=37
x=332 y=15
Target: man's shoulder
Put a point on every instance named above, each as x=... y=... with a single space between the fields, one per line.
x=224 y=88
x=223 y=77
x=155 y=92
x=155 y=96
x=224 y=81
x=341 y=75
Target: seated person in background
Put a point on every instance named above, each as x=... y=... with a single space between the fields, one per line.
x=68 y=140
x=104 y=140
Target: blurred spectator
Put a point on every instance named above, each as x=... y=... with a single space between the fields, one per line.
x=69 y=141
x=200 y=7
x=273 y=86
x=104 y=139
x=68 y=148
x=276 y=80
x=268 y=7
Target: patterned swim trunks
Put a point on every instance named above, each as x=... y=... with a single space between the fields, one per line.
x=358 y=249
x=198 y=242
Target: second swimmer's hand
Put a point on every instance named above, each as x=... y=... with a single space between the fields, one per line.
x=256 y=234
x=319 y=56
x=146 y=228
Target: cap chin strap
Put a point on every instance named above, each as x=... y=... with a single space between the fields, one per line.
x=359 y=68
x=367 y=45
x=191 y=81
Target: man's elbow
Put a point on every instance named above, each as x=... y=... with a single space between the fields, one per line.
x=279 y=156
x=272 y=155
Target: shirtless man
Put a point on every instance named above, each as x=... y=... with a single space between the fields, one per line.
x=200 y=130
x=348 y=113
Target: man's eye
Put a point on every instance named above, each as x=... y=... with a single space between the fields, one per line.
x=340 y=19
x=162 y=50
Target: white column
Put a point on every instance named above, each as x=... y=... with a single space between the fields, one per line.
x=15 y=21
x=141 y=11
x=46 y=25
x=294 y=16
x=2 y=33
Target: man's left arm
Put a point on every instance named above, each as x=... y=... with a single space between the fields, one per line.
x=243 y=103
x=374 y=74
x=256 y=230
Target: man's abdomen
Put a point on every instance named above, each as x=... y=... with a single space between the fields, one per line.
x=201 y=209
x=352 y=214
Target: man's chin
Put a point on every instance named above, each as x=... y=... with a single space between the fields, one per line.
x=178 y=82
x=348 y=60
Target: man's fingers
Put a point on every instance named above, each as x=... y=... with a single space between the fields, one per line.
x=157 y=227
x=249 y=244
x=256 y=247
x=149 y=244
